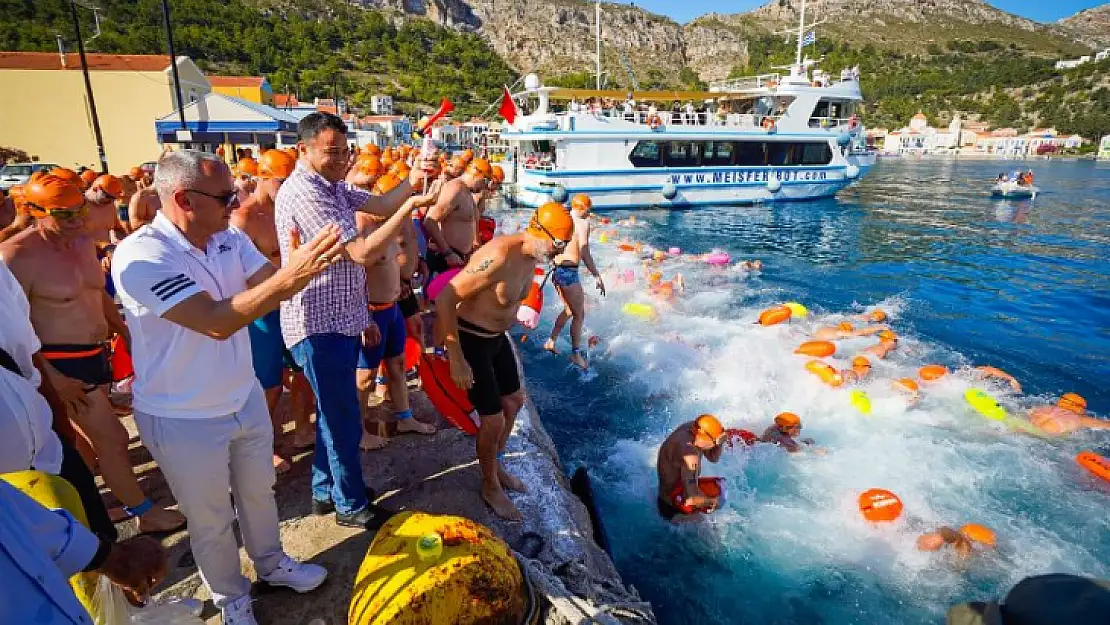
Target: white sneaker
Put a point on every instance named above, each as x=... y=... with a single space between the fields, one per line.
x=239 y=612
x=299 y=576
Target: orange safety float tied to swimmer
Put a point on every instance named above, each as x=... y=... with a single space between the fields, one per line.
x=932 y=373
x=709 y=486
x=486 y=227
x=819 y=349
x=1096 y=464
x=451 y=401
x=122 y=367
x=528 y=315
x=826 y=372
x=774 y=316
x=879 y=505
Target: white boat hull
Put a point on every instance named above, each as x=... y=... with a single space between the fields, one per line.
x=1011 y=191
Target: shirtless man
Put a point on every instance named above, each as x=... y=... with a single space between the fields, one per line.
x=785 y=431
x=55 y=263
x=567 y=283
x=103 y=220
x=1067 y=416
x=452 y=224
x=255 y=217
x=13 y=215
x=474 y=311
x=679 y=467
x=384 y=341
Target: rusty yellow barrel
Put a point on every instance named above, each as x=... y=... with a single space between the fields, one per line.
x=425 y=569
x=54 y=492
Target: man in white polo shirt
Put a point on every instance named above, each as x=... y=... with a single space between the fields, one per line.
x=190 y=285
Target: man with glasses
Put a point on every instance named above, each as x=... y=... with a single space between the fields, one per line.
x=324 y=324
x=190 y=285
x=475 y=309
x=56 y=264
x=452 y=224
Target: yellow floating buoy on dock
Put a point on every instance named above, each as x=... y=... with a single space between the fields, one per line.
x=425 y=569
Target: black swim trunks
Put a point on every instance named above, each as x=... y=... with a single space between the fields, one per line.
x=408 y=303
x=493 y=364
x=90 y=364
x=437 y=261
x=666 y=510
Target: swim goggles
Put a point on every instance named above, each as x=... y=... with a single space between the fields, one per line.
x=559 y=244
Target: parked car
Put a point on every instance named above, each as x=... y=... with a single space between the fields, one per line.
x=19 y=173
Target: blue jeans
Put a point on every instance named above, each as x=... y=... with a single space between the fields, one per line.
x=329 y=362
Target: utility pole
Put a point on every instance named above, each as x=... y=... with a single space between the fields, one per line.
x=88 y=89
x=173 y=65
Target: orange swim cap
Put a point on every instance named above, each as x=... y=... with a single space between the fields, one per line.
x=386 y=183
x=582 y=202
x=70 y=175
x=655 y=277
x=877 y=316
x=468 y=155
x=931 y=373
x=880 y=505
x=248 y=166
x=135 y=173
x=372 y=149
x=906 y=384
x=844 y=326
x=370 y=165
x=861 y=362
x=980 y=534
x=1073 y=402
x=18 y=193
x=788 y=420
x=276 y=164
x=710 y=426
x=888 y=335
x=552 y=220
x=88 y=177
x=52 y=192
x=498 y=174
x=480 y=166
x=110 y=185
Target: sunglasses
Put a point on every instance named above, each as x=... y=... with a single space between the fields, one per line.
x=61 y=214
x=231 y=198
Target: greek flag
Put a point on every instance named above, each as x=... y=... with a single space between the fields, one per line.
x=810 y=38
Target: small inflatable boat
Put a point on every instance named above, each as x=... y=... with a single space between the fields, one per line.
x=1014 y=191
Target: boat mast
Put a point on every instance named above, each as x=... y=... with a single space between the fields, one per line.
x=597 y=42
x=801 y=33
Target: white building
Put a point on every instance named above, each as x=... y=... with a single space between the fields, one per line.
x=393 y=129
x=381 y=104
x=1073 y=63
x=470 y=133
x=446 y=134
x=1104 y=148
x=1102 y=56
x=921 y=138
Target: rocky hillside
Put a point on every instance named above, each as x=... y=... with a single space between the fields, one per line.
x=1091 y=26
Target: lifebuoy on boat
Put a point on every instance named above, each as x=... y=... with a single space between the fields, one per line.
x=654 y=122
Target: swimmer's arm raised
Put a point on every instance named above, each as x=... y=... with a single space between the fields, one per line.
x=364 y=249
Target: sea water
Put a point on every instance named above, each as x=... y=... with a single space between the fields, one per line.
x=966 y=280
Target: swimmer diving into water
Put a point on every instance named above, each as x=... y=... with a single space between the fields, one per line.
x=681 y=492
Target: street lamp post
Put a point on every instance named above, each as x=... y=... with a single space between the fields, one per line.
x=88 y=89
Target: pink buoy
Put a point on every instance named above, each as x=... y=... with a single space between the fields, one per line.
x=627 y=276
x=674 y=251
x=440 y=281
x=718 y=258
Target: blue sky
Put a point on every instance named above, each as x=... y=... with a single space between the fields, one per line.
x=686 y=10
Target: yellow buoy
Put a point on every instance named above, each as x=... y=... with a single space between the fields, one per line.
x=797 y=310
x=425 y=569
x=860 y=401
x=643 y=311
x=604 y=238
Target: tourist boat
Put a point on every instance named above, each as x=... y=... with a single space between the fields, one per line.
x=1014 y=191
x=772 y=137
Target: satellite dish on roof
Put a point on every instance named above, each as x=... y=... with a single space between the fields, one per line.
x=531 y=82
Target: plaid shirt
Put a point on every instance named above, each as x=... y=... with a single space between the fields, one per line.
x=334 y=301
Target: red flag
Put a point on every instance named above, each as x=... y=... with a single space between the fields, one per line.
x=508 y=107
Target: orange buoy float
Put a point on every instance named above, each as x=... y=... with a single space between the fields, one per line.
x=932 y=373
x=1094 y=463
x=908 y=385
x=122 y=367
x=980 y=534
x=528 y=315
x=626 y=247
x=819 y=349
x=774 y=316
x=879 y=505
x=709 y=487
x=826 y=372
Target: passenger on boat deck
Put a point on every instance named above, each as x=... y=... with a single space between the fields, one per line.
x=785 y=431
x=1002 y=177
x=1067 y=416
x=845 y=330
x=963 y=541
x=888 y=342
x=679 y=464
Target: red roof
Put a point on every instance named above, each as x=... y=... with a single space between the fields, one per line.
x=104 y=62
x=281 y=100
x=235 y=81
x=327 y=109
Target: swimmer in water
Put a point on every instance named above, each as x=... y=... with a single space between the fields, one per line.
x=861 y=368
x=666 y=290
x=845 y=330
x=998 y=374
x=750 y=265
x=911 y=388
x=875 y=316
x=785 y=432
x=888 y=342
x=1067 y=416
x=963 y=541
x=679 y=465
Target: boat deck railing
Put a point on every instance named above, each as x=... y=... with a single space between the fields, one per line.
x=745 y=83
x=673 y=120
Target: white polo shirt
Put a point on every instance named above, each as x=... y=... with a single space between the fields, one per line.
x=180 y=373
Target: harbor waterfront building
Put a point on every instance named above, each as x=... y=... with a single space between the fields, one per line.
x=1104 y=148
x=131 y=91
x=250 y=88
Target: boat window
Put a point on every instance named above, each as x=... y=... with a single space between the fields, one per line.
x=815 y=153
x=750 y=153
x=647 y=154
x=780 y=154
x=682 y=154
x=716 y=153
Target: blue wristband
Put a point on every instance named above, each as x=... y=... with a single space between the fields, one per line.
x=140 y=509
x=404 y=414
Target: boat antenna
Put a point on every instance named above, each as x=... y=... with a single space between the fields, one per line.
x=597 y=42
x=800 y=35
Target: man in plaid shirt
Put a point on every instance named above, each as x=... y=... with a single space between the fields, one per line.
x=323 y=325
